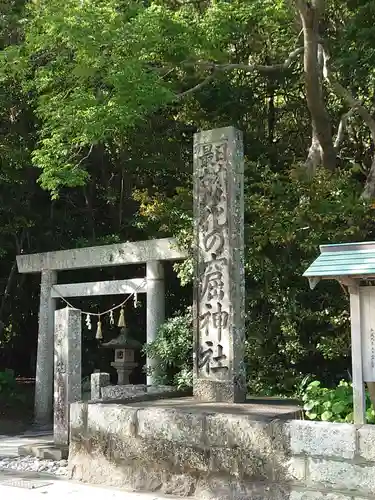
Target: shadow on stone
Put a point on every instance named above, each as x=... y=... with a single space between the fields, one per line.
x=180 y=450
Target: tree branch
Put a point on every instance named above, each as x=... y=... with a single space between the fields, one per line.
x=314 y=156
x=342 y=128
x=368 y=192
x=348 y=98
x=85 y=157
x=200 y=85
x=369 y=189
x=217 y=68
x=260 y=68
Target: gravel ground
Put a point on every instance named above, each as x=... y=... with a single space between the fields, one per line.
x=32 y=464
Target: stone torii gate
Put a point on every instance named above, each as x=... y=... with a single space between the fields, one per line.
x=149 y=252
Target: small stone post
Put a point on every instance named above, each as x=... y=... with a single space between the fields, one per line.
x=67 y=370
x=155 y=312
x=98 y=380
x=219 y=288
x=44 y=363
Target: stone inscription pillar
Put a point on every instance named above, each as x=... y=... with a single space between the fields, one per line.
x=155 y=312
x=219 y=288
x=67 y=370
x=44 y=362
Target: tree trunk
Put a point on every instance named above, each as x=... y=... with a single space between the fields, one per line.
x=369 y=189
x=314 y=157
x=321 y=126
x=355 y=106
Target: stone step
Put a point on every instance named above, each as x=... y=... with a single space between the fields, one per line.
x=44 y=450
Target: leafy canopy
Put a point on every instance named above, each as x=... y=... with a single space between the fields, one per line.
x=94 y=70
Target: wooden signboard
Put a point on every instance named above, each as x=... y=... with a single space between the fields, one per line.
x=367 y=308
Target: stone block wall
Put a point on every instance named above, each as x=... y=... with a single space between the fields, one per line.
x=127 y=391
x=101 y=388
x=220 y=456
x=332 y=461
x=121 y=391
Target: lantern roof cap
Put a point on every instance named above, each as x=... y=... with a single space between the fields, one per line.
x=123 y=341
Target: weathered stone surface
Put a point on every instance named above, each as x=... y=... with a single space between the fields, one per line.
x=281 y=437
x=173 y=442
x=96 y=469
x=121 y=391
x=342 y=475
x=323 y=439
x=263 y=446
x=269 y=441
x=158 y=454
x=211 y=390
x=98 y=381
x=45 y=451
x=366 y=442
x=115 y=420
x=171 y=425
x=67 y=379
x=138 y=463
x=238 y=463
x=219 y=288
x=215 y=488
x=208 y=456
x=188 y=459
x=44 y=362
x=295 y=469
x=155 y=312
x=238 y=430
x=78 y=418
x=135 y=252
x=316 y=495
x=112 y=287
x=156 y=389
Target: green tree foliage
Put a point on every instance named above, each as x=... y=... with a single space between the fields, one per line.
x=97 y=70
x=173 y=348
x=286 y=220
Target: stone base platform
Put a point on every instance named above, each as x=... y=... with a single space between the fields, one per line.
x=184 y=447
x=44 y=450
x=254 y=408
x=207 y=451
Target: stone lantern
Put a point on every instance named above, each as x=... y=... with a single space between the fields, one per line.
x=124 y=347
